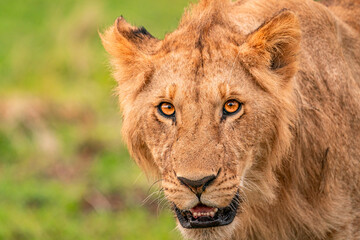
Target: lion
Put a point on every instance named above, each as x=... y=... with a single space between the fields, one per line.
x=249 y=113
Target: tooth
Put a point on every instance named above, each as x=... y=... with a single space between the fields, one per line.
x=195 y=215
x=216 y=210
x=212 y=214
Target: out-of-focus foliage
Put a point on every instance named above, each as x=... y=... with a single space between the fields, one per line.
x=64 y=172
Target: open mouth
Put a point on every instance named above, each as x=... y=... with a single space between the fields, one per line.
x=202 y=216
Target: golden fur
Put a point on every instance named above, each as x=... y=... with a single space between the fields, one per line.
x=293 y=154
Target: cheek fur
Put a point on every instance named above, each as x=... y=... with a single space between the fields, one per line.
x=159 y=136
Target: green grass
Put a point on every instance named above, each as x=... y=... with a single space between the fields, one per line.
x=64 y=172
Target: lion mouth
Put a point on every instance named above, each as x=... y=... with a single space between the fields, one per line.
x=202 y=216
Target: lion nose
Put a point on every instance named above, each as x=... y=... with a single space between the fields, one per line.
x=197 y=186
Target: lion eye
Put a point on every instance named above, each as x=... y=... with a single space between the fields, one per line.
x=167 y=109
x=231 y=107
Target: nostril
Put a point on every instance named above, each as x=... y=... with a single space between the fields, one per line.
x=203 y=183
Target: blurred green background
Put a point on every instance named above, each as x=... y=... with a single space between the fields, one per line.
x=64 y=171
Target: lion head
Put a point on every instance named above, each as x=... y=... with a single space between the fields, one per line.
x=208 y=110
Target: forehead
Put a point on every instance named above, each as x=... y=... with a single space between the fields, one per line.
x=207 y=71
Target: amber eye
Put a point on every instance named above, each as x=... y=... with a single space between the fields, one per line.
x=166 y=109
x=231 y=107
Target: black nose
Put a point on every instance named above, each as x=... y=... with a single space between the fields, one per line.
x=197 y=185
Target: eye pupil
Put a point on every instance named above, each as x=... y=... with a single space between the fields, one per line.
x=231 y=107
x=167 y=109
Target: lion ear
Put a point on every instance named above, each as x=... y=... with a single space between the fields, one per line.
x=273 y=47
x=125 y=41
x=131 y=49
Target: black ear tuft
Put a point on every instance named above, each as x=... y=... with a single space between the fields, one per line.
x=141 y=33
x=138 y=35
x=129 y=31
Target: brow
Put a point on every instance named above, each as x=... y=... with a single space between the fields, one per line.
x=169 y=92
x=223 y=89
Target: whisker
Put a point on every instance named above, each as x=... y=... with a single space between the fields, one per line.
x=154 y=184
x=148 y=198
x=164 y=203
x=161 y=204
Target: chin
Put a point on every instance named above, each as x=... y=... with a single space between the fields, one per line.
x=211 y=233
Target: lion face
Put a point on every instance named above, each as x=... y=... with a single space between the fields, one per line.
x=202 y=147
x=208 y=115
